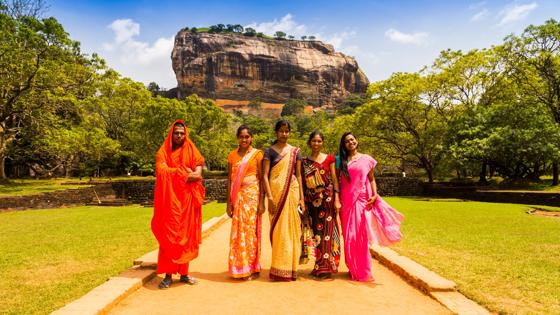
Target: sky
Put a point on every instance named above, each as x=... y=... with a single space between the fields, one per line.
x=136 y=37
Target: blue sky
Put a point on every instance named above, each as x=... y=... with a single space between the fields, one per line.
x=136 y=37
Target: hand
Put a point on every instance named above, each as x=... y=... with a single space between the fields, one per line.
x=193 y=177
x=372 y=199
x=182 y=172
x=271 y=206
x=303 y=208
x=229 y=210
x=261 y=208
x=337 y=205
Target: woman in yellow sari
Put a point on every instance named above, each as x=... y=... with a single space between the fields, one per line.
x=244 y=206
x=284 y=192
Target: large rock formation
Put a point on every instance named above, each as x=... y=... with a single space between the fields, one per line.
x=237 y=67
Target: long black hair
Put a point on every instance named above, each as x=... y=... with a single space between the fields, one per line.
x=343 y=154
x=313 y=134
x=280 y=124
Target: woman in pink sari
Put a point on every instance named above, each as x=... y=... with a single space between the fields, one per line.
x=244 y=206
x=366 y=217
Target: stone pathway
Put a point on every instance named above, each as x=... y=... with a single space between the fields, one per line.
x=217 y=293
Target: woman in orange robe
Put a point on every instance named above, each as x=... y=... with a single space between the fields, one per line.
x=245 y=207
x=178 y=198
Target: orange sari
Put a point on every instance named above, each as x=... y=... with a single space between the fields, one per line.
x=245 y=236
x=177 y=219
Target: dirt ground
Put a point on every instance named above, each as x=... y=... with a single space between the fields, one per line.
x=217 y=293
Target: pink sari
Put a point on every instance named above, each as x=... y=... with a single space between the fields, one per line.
x=363 y=225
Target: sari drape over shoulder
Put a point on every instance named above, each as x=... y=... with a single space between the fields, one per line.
x=245 y=236
x=363 y=225
x=177 y=219
x=285 y=227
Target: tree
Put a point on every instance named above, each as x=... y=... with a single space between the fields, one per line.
x=238 y=28
x=214 y=29
x=398 y=117
x=18 y=9
x=39 y=63
x=194 y=29
x=229 y=28
x=280 y=35
x=153 y=88
x=349 y=105
x=535 y=61
x=250 y=31
x=293 y=107
x=311 y=37
x=291 y=37
x=303 y=37
x=468 y=82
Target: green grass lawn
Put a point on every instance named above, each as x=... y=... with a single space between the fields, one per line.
x=51 y=257
x=20 y=187
x=499 y=256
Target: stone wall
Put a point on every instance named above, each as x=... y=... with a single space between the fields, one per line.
x=216 y=188
x=477 y=194
x=142 y=191
x=399 y=186
x=56 y=199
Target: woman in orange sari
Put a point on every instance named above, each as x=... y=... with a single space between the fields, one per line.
x=244 y=206
x=283 y=188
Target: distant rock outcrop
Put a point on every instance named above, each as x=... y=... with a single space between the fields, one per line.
x=237 y=67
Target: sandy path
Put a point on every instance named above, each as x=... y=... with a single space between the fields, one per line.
x=219 y=294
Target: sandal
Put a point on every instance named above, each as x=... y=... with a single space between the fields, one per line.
x=165 y=283
x=188 y=280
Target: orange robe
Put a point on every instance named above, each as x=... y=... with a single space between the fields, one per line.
x=177 y=220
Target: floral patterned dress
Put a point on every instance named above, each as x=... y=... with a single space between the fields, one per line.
x=319 y=200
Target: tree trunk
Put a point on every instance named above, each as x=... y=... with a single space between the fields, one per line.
x=482 y=178
x=2 y=168
x=555 y=174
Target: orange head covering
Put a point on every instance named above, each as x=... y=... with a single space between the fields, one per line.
x=177 y=218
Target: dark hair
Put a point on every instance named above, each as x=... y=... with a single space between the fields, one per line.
x=313 y=134
x=244 y=127
x=343 y=154
x=280 y=124
x=180 y=124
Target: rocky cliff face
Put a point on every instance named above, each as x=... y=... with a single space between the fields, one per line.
x=237 y=67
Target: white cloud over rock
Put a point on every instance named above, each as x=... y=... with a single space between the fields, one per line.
x=416 y=38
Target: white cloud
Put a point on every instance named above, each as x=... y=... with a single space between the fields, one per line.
x=516 y=12
x=417 y=38
x=480 y=15
x=140 y=60
x=337 y=39
x=290 y=26
x=286 y=24
x=124 y=29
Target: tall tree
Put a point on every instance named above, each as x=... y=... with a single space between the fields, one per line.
x=38 y=61
x=535 y=54
x=402 y=120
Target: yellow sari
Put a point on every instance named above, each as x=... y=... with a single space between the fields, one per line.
x=285 y=230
